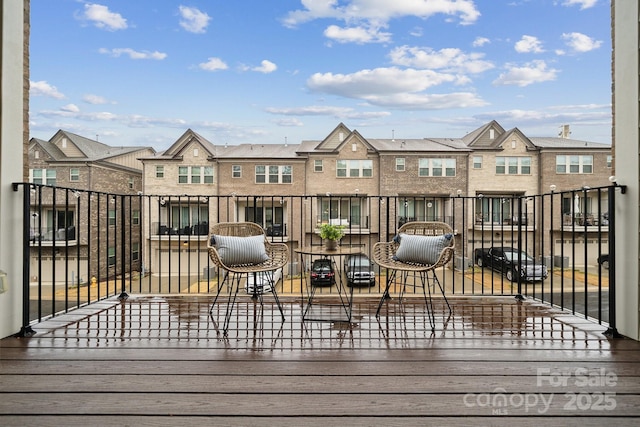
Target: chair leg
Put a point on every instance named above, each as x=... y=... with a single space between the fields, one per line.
x=391 y=276
x=426 y=288
x=231 y=302
x=435 y=279
x=275 y=296
x=220 y=286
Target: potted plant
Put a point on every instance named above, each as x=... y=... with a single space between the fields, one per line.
x=331 y=234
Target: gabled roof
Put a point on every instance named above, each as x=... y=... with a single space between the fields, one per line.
x=335 y=138
x=88 y=150
x=509 y=134
x=480 y=135
x=177 y=148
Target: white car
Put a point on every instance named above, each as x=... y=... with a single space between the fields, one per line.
x=265 y=281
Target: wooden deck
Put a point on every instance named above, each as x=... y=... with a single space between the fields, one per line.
x=161 y=360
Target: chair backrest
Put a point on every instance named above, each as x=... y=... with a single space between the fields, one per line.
x=426 y=228
x=239 y=229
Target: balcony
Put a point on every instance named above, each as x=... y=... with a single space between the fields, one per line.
x=143 y=307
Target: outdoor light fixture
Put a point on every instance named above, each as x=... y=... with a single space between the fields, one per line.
x=459 y=192
x=552 y=187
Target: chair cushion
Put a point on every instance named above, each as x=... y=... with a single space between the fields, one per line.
x=421 y=249
x=234 y=250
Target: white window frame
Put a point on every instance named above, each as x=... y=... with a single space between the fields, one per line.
x=318 y=166
x=574 y=164
x=47 y=176
x=195 y=174
x=159 y=171
x=513 y=165
x=236 y=171
x=400 y=164
x=74 y=174
x=437 y=167
x=354 y=168
x=273 y=174
x=477 y=162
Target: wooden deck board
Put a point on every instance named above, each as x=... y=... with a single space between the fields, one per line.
x=155 y=360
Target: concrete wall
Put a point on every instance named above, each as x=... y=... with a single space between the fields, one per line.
x=626 y=148
x=12 y=154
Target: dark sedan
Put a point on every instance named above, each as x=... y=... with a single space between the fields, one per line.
x=505 y=260
x=322 y=273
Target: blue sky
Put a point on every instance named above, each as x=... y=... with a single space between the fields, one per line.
x=268 y=71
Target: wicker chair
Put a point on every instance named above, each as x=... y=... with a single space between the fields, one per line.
x=277 y=253
x=384 y=254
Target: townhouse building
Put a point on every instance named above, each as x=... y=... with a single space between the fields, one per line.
x=76 y=220
x=371 y=186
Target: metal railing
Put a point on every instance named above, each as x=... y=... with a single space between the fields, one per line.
x=118 y=246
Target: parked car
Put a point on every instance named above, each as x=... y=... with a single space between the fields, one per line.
x=262 y=281
x=359 y=270
x=505 y=260
x=603 y=260
x=322 y=272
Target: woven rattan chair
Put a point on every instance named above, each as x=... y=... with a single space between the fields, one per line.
x=277 y=258
x=384 y=254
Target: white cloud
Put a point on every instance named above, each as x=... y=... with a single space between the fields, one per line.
x=289 y=122
x=448 y=59
x=42 y=88
x=359 y=35
x=266 y=67
x=103 y=18
x=71 y=108
x=393 y=87
x=133 y=54
x=379 y=81
x=379 y=12
x=330 y=111
x=533 y=72
x=480 y=41
x=193 y=20
x=579 y=42
x=529 y=44
x=213 y=64
x=584 y=4
x=95 y=99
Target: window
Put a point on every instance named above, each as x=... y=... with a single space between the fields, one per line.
x=36 y=154
x=111 y=220
x=349 y=211
x=42 y=176
x=236 y=171
x=268 y=215
x=499 y=209
x=400 y=164
x=513 y=165
x=196 y=152
x=135 y=217
x=131 y=183
x=354 y=168
x=574 y=164
x=437 y=167
x=74 y=174
x=187 y=218
x=195 y=174
x=135 y=251
x=111 y=256
x=183 y=174
x=317 y=166
x=159 y=171
x=420 y=209
x=477 y=162
x=609 y=161
x=276 y=174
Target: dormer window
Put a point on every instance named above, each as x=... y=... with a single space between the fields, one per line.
x=354 y=147
x=195 y=152
x=492 y=134
x=64 y=142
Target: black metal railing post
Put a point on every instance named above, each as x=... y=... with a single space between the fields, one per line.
x=612 y=331
x=123 y=248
